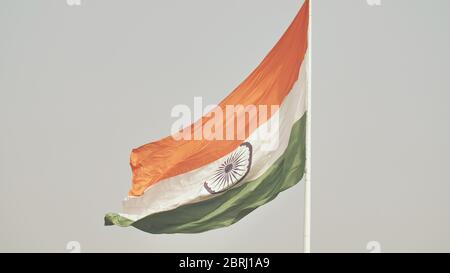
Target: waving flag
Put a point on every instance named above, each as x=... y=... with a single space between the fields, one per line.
x=191 y=184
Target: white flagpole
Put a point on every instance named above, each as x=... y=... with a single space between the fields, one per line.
x=307 y=221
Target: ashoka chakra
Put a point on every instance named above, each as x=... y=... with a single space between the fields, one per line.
x=231 y=171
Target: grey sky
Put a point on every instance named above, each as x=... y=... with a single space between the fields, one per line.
x=81 y=86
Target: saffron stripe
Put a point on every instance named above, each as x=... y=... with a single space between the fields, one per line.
x=268 y=84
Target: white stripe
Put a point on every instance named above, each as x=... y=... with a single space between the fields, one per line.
x=188 y=187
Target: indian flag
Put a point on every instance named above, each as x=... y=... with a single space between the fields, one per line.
x=214 y=172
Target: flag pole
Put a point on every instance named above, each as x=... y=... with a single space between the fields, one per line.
x=307 y=215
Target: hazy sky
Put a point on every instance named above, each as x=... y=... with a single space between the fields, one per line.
x=80 y=86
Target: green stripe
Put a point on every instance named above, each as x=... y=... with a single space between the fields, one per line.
x=228 y=208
